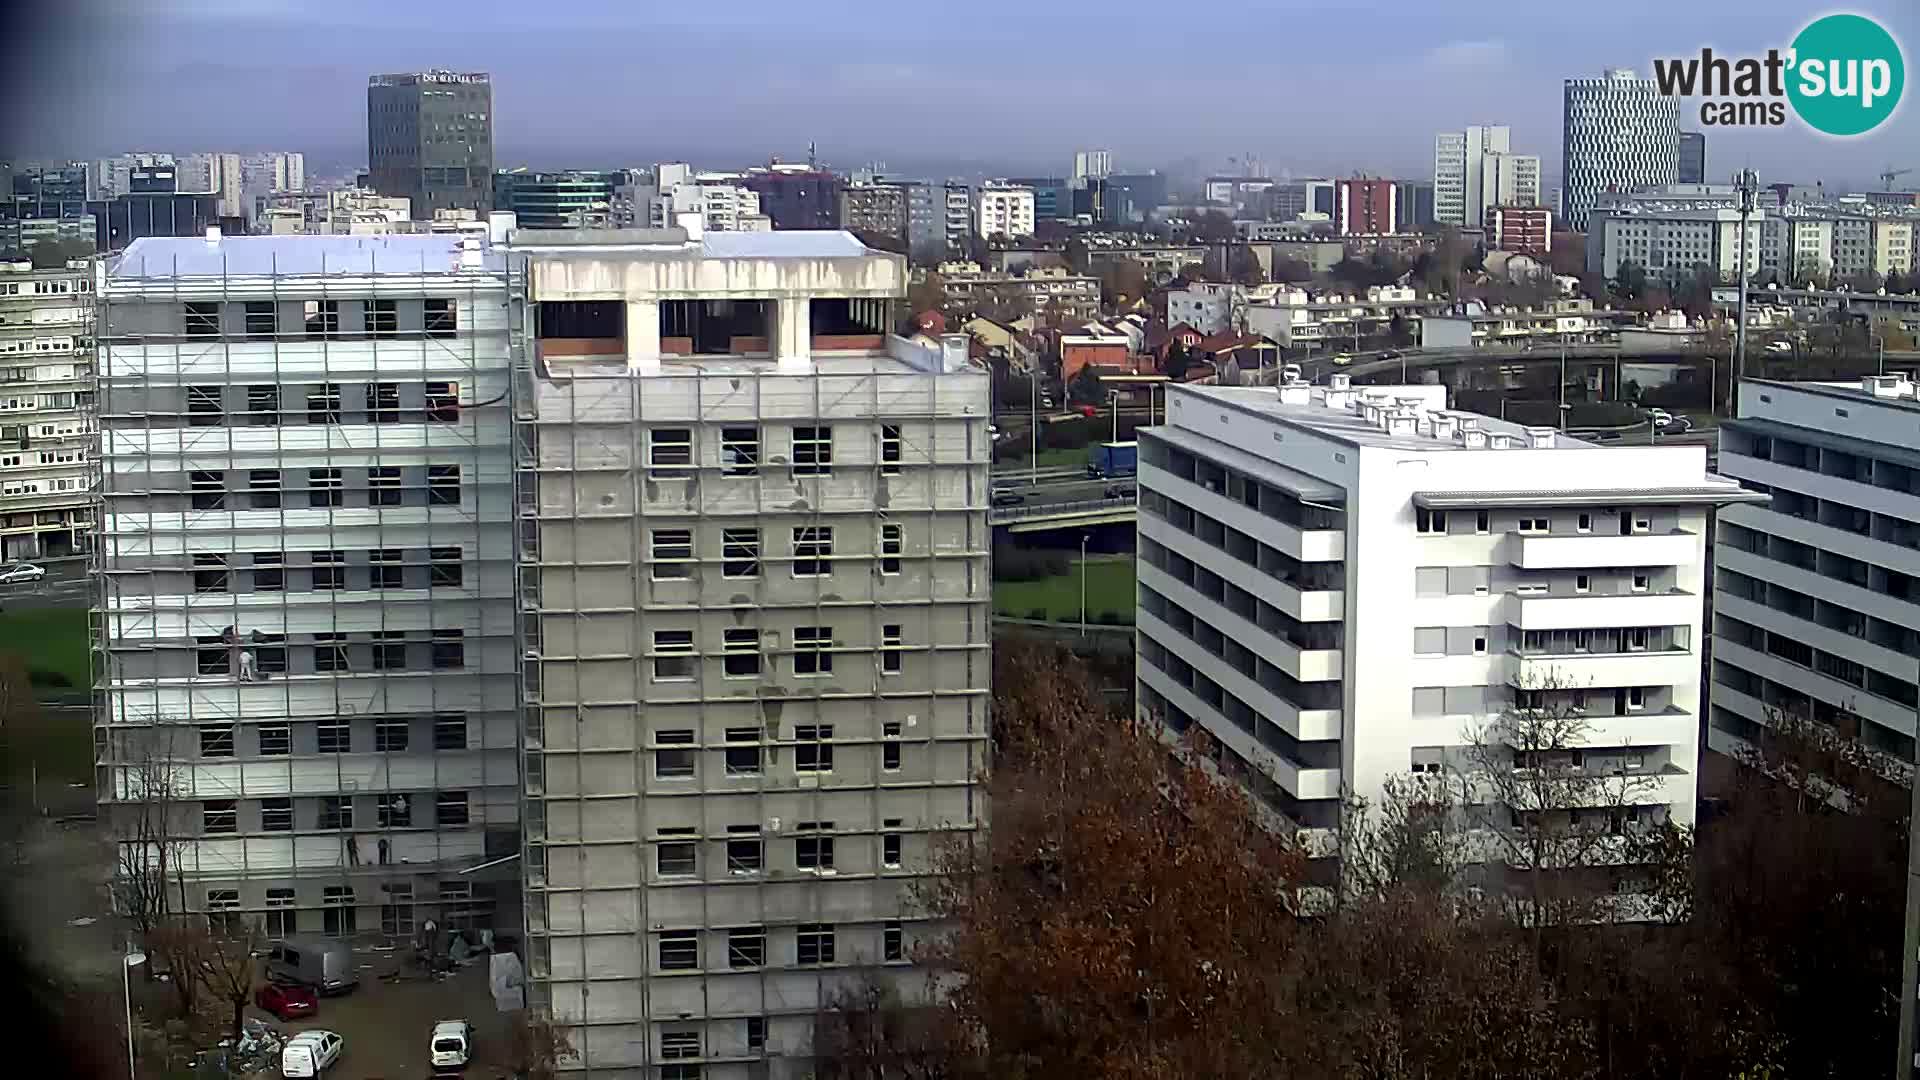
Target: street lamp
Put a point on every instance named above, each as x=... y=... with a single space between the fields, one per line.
x=127 y=963
x=1881 y=343
x=1113 y=400
x=1084 y=537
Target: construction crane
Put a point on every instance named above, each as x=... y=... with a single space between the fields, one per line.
x=1892 y=174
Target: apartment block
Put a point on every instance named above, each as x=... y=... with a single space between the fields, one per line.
x=754 y=595
x=1816 y=599
x=307 y=698
x=1341 y=584
x=1003 y=210
x=47 y=442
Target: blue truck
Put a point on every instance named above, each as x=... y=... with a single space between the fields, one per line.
x=1113 y=459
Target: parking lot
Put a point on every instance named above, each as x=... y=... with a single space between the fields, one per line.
x=386 y=1024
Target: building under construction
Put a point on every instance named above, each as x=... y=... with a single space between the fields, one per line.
x=307 y=706
x=755 y=588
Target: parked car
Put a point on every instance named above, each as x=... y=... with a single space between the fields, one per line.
x=1779 y=346
x=322 y=963
x=19 y=572
x=451 y=1045
x=1007 y=497
x=287 y=1001
x=1342 y=359
x=311 y=1053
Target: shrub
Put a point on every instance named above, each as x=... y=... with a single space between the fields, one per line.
x=1038 y=614
x=1011 y=563
x=42 y=677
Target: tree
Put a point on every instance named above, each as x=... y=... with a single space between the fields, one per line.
x=537 y=1046
x=147 y=854
x=227 y=968
x=1292 y=271
x=1568 y=256
x=1122 y=282
x=1629 y=280
x=928 y=292
x=1242 y=267
x=1212 y=227
x=1176 y=362
x=867 y=1031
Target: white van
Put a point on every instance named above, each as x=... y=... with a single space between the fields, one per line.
x=451 y=1045
x=310 y=1053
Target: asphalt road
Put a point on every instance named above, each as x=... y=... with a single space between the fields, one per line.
x=66 y=585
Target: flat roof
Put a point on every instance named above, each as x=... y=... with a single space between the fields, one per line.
x=1710 y=491
x=1843 y=391
x=600 y=243
x=736 y=367
x=161 y=257
x=1352 y=427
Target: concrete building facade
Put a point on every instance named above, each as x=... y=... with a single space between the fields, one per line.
x=1366 y=207
x=430 y=139
x=1619 y=133
x=1002 y=209
x=47 y=438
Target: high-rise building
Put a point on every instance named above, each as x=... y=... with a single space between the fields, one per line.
x=1692 y=168
x=1815 y=607
x=1525 y=230
x=1619 y=134
x=902 y=210
x=1092 y=164
x=1003 y=209
x=756 y=607
x=1127 y=198
x=1346 y=584
x=153 y=208
x=1475 y=170
x=796 y=196
x=957 y=219
x=1052 y=196
x=430 y=138
x=47 y=440
x=1412 y=206
x=1366 y=207
x=308 y=701
x=576 y=199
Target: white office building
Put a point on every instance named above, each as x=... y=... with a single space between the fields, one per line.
x=1092 y=164
x=1003 y=210
x=1475 y=170
x=1816 y=599
x=1619 y=133
x=47 y=443
x=724 y=205
x=1341 y=583
x=1673 y=243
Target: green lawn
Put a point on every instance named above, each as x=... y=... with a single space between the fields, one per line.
x=50 y=640
x=1049 y=458
x=1109 y=589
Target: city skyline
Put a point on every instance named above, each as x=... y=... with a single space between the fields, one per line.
x=237 y=74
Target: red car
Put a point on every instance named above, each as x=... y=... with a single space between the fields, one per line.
x=287 y=1002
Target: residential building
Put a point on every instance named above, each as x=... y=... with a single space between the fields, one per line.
x=430 y=139
x=1459 y=160
x=957 y=219
x=1292 y=317
x=575 y=199
x=307 y=698
x=1207 y=306
x=1345 y=584
x=1893 y=250
x=796 y=196
x=1674 y=243
x=901 y=209
x=723 y=203
x=111 y=177
x=1096 y=347
x=1053 y=291
x=1815 y=604
x=1052 y=196
x=1853 y=247
x=756 y=598
x=1161 y=260
x=1507 y=180
x=1095 y=164
x=1235 y=192
x=1527 y=230
x=47 y=439
x=1003 y=209
x=1692 y=168
x=1798 y=246
x=359 y=212
x=1366 y=207
x=1619 y=133
x=1414 y=207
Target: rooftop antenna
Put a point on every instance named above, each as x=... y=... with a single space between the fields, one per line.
x=812 y=163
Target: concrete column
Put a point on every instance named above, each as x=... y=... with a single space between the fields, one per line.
x=793 y=334
x=643 y=336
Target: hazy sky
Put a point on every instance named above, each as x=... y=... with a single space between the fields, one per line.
x=1314 y=86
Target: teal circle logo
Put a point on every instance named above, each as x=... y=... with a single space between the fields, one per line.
x=1847 y=75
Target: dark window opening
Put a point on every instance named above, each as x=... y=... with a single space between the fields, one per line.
x=844 y=317
x=716 y=327
x=582 y=327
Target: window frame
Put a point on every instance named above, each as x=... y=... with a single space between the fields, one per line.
x=675 y=657
x=670 y=553
x=813 y=748
x=739 y=451
x=746 y=948
x=685 y=950
x=815 y=940
x=812 y=450
x=675 y=742
x=893 y=545
x=812 y=551
x=739 y=553
x=892 y=449
x=671 y=457
x=812 y=651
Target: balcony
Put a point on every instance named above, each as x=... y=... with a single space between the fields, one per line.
x=1678 y=548
x=1647 y=667
x=1673 y=608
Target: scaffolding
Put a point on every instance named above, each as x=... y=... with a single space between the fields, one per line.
x=302 y=608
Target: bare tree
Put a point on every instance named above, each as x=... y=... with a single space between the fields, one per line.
x=228 y=968
x=147 y=789
x=1411 y=839
x=538 y=1046
x=869 y=1032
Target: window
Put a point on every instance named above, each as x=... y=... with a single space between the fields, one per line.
x=680 y=1072
x=219 y=816
x=739 y=451
x=449 y=649
x=747 y=947
x=450 y=808
x=330 y=652
x=1429 y=522
x=1482 y=522
x=674 y=858
x=673 y=756
x=322 y=318
x=213 y=655
x=810 y=650
x=1582 y=583
x=339 y=917
x=449 y=732
x=276 y=740
x=679 y=950
x=813 y=852
x=679 y=1044
x=333 y=737
x=1636 y=698
x=393 y=811
x=892 y=540
x=672 y=554
x=756 y=1033
x=443 y=485
x=1642 y=524
x=383 y=485
x=890 y=649
x=264 y=487
x=209 y=573
x=260 y=318
x=1640 y=582
x=276 y=815
x=209 y=490
x=740 y=553
x=741 y=648
x=890 y=750
x=814 y=752
x=1532 y=525
x=382 y=316
x=1584 y=523
x=323 y=404
x=396 y=914
x=889 y=449
x=324 y=488
x=743 y=760
x=282 y=919
x=204 y=407
x=743 y=849
x=813 y=451
x=893 y=941
x=673 y=654
x=815 y=944
x=223 y=910
x=390 y=734
x=216 y=740
x=203 y=320
x=890 y=843
x=442 y=318
x=386 y=570
x=1480 y=646
x=329 y=570
x=812 y=550
x=383 y=402
x=670 y=452
x=443 y=401
x=1636 y=639
x=389 y=650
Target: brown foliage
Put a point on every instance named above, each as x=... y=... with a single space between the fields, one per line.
x=537 y=1046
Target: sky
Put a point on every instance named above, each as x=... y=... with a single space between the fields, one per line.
x=1313 y=87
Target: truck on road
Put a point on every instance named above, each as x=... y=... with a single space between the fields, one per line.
x=1113 y=459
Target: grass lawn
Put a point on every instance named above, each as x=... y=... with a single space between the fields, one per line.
x=1109 y=589
x=58 y=743
x=1049 y=458
x=49 y=639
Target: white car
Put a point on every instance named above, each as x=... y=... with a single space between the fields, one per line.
x=452 y=1044
x=310 y=1053
x=1779 y=346
x=1343 y=359
x=19 y=572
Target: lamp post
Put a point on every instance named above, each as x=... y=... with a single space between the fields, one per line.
x=1747 y=182
x=1881 y=347
x=128 y=962
x=1033 y=420
x=1113 y=400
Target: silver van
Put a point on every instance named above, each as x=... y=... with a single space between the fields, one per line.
x=322 y=963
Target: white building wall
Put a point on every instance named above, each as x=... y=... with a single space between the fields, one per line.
x=47 y=434
x=1619 y=133
x=1004 y=211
